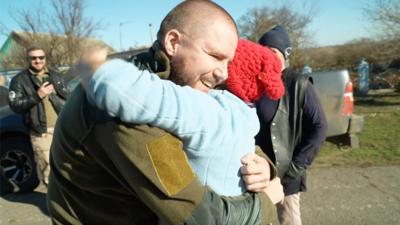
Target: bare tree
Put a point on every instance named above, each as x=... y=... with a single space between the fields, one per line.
x=255 y=22
x=386 y=14
x=62 y=29
x=73 y=24
x=259 y=19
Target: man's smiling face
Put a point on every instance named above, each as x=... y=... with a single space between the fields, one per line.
x=201 y=60
x=37 y=60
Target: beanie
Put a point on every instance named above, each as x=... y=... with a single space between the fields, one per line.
x=254 y=71
x=277 y=38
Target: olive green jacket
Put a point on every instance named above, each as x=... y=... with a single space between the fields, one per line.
x=108 y=172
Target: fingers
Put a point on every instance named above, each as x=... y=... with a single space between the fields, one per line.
x=257 y=180
x=90 y=60
x=255 y=167
x=257 y=187
x=255 y=172
x=94 y=57
x=49 y=89
x=252 y=157
x=45 y=89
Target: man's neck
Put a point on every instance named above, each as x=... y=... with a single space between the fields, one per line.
x=37 y=73
x=155 y=60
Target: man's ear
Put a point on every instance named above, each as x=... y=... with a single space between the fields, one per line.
x=171 y=42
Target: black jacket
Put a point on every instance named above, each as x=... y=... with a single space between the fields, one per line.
x=23 y=99
x=292 y=130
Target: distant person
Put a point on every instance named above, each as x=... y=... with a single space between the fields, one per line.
x=306 y=70
x=363 y=77
x=214 y=147
x=292 y=128
x=39 y=94
x=105 y=171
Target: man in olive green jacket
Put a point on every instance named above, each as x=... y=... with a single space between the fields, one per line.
x=108 y=172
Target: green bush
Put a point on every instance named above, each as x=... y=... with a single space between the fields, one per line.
x=397 y=87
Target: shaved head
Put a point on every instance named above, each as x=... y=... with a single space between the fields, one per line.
x=193 y=17
x=199 y=38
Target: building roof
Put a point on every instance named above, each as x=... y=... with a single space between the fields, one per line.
x=23 y=38
x=127 y=54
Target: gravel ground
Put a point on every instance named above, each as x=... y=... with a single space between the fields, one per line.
x=345 y=196
x=352 y=196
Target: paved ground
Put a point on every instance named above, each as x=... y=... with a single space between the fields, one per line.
x=353 y=196
x=24 y=209
x=336 y=196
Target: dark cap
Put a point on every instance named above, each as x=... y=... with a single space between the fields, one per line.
x=278 y=38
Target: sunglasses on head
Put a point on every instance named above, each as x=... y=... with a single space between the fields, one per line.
x=37 y=57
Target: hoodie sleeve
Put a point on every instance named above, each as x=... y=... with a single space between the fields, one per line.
x=137 y=96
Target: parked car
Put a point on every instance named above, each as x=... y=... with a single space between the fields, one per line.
x=335 y=91
x=17 y=165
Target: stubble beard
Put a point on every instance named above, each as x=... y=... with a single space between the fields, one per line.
x=178 y=74
x=36 y=70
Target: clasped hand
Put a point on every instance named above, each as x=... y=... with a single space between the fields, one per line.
x=256 y=173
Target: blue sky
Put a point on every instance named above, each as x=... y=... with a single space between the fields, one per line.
x=336 y=21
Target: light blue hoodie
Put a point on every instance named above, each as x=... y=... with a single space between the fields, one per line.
x=216 y=129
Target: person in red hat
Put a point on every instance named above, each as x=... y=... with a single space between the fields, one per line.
x=255 y=71
x=217 y=128
x=293 y=127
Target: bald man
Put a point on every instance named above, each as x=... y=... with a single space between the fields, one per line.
x=107 y=172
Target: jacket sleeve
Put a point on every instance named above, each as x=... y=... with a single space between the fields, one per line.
x=157 y=171
x=19 y=100
x=272 y=168
x=245 y=209
x=141 y=97
x=314 y=127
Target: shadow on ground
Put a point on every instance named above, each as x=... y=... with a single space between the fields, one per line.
x=35 y=198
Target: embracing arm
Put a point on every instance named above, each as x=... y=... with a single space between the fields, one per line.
x=141 y=97
x=165 y=182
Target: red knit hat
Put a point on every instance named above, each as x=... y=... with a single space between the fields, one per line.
x=255 y=71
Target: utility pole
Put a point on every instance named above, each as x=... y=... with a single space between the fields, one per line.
x=151 y=33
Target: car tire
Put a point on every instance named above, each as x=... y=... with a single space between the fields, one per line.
x=18 y=172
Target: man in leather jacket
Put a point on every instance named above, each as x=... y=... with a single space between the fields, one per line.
x=292 y=129
x=39 y=94
x=105 y=171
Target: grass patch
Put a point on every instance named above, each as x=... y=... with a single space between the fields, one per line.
x=379 y=140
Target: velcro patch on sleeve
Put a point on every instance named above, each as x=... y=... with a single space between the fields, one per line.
x=170 y=163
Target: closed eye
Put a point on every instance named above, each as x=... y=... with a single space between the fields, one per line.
x=216 y=56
